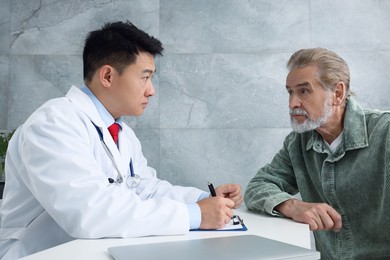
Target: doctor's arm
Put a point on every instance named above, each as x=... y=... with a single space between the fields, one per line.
x=65 y=162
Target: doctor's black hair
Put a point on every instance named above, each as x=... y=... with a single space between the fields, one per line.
x=116 y=44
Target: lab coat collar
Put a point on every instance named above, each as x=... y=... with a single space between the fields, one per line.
x=103 y=112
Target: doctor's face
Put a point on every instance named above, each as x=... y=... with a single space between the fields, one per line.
x=133 y=87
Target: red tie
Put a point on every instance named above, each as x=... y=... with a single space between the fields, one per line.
x=114 y=129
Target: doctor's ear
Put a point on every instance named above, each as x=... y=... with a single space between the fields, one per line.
x=105 y=75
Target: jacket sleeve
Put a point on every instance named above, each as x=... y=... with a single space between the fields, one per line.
x=273 y=184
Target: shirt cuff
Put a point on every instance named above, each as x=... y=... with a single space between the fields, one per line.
x=276 y=213
x=204 y=195
x=195 y=215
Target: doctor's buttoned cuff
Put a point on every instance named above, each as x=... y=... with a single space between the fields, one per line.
x=194 y=212
x=195 y=215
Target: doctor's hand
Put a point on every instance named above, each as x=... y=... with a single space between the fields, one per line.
x=216 y=212
x=319 y=216
x=231 y=191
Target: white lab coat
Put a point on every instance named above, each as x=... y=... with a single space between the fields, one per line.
x=57 y=185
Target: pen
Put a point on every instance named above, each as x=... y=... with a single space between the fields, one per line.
x=211 y=188
x=131 y=168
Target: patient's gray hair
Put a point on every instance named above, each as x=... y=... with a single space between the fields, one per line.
x=331 y=68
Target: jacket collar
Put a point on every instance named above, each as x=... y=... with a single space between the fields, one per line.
x=354 y=133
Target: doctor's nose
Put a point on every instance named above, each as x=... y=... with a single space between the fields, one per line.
x=150 y=91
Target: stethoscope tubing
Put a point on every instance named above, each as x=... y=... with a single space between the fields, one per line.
x=119 y=178
x=133 y=180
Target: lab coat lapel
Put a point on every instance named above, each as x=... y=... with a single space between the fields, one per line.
x=121 y=155
x=124 y=152
x=111 y=146
x=84 y=103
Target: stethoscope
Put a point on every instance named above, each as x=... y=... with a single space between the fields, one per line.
x=132 y=180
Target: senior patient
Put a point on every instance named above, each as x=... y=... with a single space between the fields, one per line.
x=74 y=169
x=337 y=157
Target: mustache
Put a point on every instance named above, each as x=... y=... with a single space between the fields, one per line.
x=298 y=111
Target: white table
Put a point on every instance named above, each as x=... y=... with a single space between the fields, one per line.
x=279 y=229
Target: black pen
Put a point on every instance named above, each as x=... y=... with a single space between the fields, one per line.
x=211 y=188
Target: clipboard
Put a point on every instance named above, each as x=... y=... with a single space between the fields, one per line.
x=236 y=224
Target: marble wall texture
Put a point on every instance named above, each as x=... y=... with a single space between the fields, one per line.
x=221 y=109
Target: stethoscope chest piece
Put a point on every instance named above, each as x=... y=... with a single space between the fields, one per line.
x=133 y=181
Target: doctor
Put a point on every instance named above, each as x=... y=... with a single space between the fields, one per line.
x=66 y=176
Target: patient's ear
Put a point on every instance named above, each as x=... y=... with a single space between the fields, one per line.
x=339 y=92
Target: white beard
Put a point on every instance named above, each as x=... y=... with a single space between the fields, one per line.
x=311 y=124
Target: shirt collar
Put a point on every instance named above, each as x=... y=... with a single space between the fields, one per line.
x=103 y=112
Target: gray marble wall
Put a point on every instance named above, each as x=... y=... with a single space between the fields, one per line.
x=220 y=111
